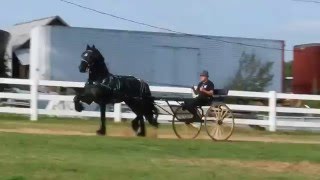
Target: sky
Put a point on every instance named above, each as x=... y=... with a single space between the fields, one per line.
x=292 y=21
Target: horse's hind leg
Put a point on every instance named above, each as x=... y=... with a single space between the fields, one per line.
x=151 y=113
x=152 y=119
x=102 y=130
x=136 y=123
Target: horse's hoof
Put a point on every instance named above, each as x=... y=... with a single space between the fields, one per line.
x=79 y=107
x=141 y=134
x=79 y=110
x=101 y=132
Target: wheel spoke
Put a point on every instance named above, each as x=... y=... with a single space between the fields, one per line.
x=214 y=131
x=227 y=128
x=225 y=112
x=216 y=112
x=218 y=132
x=220 y=113
x=222 y=130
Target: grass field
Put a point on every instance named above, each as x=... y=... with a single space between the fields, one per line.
x=44 y=156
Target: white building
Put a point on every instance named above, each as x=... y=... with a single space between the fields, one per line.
x=19 y=44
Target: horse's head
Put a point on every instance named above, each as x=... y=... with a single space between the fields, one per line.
x=89 y=58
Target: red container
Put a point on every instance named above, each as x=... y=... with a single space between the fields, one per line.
x=306 y=69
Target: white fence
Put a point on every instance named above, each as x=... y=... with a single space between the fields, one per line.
x=272 y=121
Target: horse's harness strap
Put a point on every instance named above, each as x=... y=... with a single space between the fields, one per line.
x=112 y=83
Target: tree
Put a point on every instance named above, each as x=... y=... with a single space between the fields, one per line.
x=3 y=69
x=288 y=69
x=252 y=75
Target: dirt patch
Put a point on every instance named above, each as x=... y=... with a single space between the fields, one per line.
x=304 y=167
x=46 y=131
x=250 y=138
x=122 y=133
x=272 y=139
x=152 y=133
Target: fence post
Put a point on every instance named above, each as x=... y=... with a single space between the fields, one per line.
x=34 y=73
x=34 y=100
x=272 y=111
x=117 y=112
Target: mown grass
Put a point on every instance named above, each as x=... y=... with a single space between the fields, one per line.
x=27 y=156
x=78 y=157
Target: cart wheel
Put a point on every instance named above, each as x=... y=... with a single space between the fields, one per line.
x=219 y=121
x=184 y=124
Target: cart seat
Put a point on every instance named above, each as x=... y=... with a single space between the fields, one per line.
x=207 y=104
x=219 y=95
x=221 y=92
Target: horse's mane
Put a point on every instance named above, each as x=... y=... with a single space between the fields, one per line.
x=101 y=59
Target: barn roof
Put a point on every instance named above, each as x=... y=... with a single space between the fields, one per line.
x=300 y=46
x=20 y=33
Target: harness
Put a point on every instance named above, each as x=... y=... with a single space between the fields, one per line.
x=112 y=83
x=124 y=86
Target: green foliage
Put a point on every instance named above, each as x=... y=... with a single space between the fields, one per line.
x=3 y=66
x=3 y=69
x=312 y=104
x=252 y=75
x=288 y=69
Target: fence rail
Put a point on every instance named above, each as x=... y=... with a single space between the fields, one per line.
x=34 y=96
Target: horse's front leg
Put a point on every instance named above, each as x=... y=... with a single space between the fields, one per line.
x=135 y=124
x=102 y=130
x=77 y=104
x=142 y=130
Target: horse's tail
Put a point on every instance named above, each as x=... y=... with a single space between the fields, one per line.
x=150 y=104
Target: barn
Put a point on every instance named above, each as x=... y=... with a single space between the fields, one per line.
x=159 y=58
x=19 y=45
x=306 y=76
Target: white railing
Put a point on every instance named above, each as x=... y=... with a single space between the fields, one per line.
x=272 y=122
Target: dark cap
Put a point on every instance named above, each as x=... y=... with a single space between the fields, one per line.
x=204 y=73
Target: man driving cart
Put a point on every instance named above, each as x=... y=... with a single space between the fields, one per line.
x=205 y=92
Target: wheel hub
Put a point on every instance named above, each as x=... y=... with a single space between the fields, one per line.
x=220 y=122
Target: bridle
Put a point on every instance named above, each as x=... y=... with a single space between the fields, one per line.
x=83 y=60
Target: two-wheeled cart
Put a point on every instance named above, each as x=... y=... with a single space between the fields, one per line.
x=216 y=117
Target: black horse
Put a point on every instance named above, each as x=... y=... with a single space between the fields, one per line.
x=105 y=88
